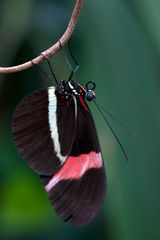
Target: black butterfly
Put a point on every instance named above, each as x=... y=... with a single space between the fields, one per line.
x=55 y=133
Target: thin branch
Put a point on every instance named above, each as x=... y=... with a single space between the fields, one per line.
x=52 y=50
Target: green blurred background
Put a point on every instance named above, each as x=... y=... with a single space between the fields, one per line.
x=117 y=45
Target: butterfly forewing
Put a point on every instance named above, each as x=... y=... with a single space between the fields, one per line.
x=40 y=130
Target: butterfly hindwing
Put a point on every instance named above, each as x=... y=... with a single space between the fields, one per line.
x=40 y=130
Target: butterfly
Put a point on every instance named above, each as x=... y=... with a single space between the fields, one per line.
x=54 y=132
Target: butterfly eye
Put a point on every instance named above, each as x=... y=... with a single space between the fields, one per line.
x=90 y=95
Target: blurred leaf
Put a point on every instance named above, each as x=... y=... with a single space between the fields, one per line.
x=117 y=46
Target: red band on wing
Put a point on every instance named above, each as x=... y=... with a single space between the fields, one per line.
x=75 y=168
x=83 y=103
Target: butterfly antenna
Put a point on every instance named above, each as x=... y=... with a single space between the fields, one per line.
x=114 y=134
x=53 y=74
x=70 y=51
x=73 y=70
x=130 y=133
x=42 y=71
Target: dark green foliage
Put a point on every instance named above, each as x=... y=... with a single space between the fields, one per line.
x=117 y=45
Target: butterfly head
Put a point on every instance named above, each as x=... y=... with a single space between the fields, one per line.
x=90 y=94
x=69 y=88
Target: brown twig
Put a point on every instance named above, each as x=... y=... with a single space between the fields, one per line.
x=52 y=50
